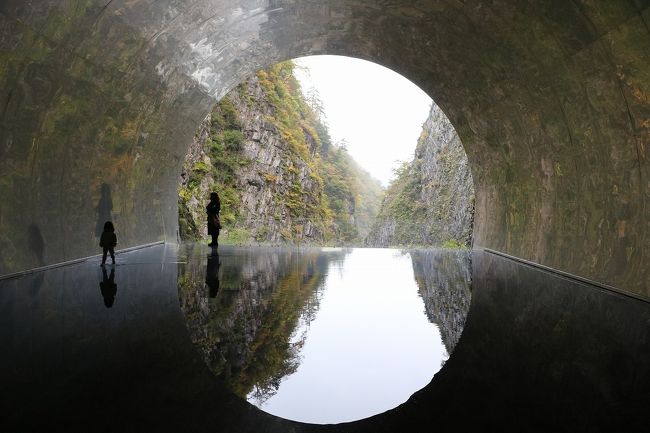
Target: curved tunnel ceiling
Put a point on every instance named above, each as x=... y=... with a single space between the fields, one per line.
x=551 y=99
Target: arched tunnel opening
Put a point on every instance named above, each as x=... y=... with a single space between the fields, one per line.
x=377 y=165
x=550 y=100
x=303 y=343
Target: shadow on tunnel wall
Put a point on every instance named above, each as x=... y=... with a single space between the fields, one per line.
x=104 y=208
x=36 y=243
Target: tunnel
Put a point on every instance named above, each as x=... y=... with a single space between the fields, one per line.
x=99 y=101
x=550 y=99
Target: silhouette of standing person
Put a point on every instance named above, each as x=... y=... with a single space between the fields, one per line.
x=214 y=224
x=108 y=288
x=212 y=274
x=108 y=241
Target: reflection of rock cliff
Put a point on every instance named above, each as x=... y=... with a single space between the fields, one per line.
x=244 y=329
x=444 y=278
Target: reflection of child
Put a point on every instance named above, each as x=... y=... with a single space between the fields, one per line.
x=108 y=241
x=108 y=288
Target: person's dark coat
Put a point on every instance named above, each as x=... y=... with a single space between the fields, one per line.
x=212 y=209
x=108 y=240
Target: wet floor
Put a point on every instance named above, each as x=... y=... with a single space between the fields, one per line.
x=178 y=339
x=324 y=336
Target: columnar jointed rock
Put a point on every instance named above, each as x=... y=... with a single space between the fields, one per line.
x=431 y=201
x=272 y=170
x=280 y=178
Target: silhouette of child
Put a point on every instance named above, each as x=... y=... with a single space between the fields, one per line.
x=108 y=241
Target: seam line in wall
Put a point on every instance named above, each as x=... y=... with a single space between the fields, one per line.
x=72 y=262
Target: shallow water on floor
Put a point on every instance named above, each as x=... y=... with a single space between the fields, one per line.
x=325 y=335
x=160 y=342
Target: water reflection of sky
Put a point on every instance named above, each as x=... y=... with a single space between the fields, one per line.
x=369 y=348
x=539 y=352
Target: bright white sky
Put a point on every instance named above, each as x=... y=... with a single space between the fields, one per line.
x=377 y=111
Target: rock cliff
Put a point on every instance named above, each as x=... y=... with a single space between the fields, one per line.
x=431 y=200
x=280 y=178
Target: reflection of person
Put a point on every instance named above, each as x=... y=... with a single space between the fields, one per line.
x=212 y=274
x=108 y=287
x=108 y=241
x=214 y=224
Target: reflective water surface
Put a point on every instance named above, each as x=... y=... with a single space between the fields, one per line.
x=138 y=347
x=320 y=335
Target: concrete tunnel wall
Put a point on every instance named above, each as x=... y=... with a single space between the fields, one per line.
x=99 y=100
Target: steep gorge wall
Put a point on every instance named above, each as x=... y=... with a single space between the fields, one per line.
x=279 y=177
x=264 y=171
x=431 y=201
